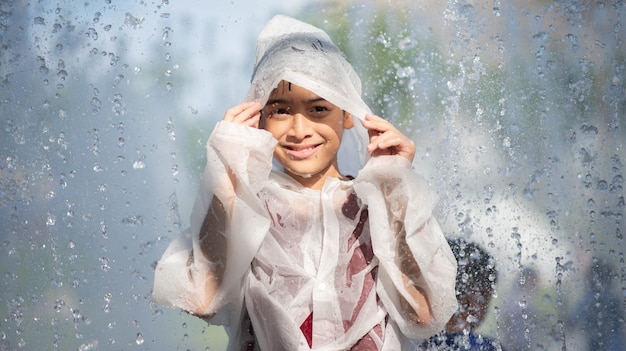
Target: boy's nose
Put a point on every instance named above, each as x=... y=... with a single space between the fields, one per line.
x=301 y=127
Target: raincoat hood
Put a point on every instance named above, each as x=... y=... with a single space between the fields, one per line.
x=297 y=52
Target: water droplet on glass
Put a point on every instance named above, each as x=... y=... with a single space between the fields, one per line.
x=132 y=21
x=171 y=133
x=140 y=163
x=91 y=33
x=589 y=129
x=62 y=75
x=166 y=33
x=133 y=220
x=104 y=263
x=51 y=220
x=139 y=340
x=96 y=104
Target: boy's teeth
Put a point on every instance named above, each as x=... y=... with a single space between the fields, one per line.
x=302 y=152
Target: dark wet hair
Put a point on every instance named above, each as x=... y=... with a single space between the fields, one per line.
x=476 y=268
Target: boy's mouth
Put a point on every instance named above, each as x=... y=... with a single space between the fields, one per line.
x=301 y=152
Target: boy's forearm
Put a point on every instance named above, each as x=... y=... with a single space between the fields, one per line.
x=419 y=311
x=213 y=245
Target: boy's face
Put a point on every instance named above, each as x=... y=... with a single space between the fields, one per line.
x=308 y=129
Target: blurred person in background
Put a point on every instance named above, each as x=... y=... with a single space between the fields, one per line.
x=475 y=285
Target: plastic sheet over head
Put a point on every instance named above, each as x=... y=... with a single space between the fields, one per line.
x=302 y=54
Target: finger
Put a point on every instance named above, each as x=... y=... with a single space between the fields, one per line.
x=242 y=112
x=376 y=125
x=385 y=141
x=249 y=111
x=392 y=142
x=253 y=121
x=233 y=111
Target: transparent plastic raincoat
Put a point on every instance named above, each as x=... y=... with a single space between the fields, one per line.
x=298 y=268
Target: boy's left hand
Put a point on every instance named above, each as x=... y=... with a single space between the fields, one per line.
x=385 y=139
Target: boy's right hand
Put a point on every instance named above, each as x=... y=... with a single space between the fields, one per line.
x=247 y=113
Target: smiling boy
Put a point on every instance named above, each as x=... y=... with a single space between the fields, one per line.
x=295 y=253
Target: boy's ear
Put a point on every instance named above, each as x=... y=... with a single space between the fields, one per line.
x=348 y=122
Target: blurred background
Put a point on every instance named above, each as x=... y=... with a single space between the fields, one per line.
x=517 y=109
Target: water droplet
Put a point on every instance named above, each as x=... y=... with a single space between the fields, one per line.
x=407 y=43
x=96 y=104
x=132 y=21
x=166 y=33
x=171 y=133
x=140 y=163
x=133 y=220
x=62 y=75
x=139 y=340
x=51 y=220
x=104 y=263
x=91 y=33
x=589 y=129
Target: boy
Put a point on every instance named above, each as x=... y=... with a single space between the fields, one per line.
x=298 y=254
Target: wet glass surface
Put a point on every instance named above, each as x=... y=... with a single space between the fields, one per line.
x=517 y=110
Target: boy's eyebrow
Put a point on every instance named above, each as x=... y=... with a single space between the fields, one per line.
x=317 y=99
x=276 y=101
x=285 y=101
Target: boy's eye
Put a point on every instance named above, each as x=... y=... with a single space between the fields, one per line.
x=319 y=111
x=320 y=108
x=278 y=113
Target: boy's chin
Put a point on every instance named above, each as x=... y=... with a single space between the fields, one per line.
x=295 y=173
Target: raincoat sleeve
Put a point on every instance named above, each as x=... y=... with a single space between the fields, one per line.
x=407 y=239
x=203 y=269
